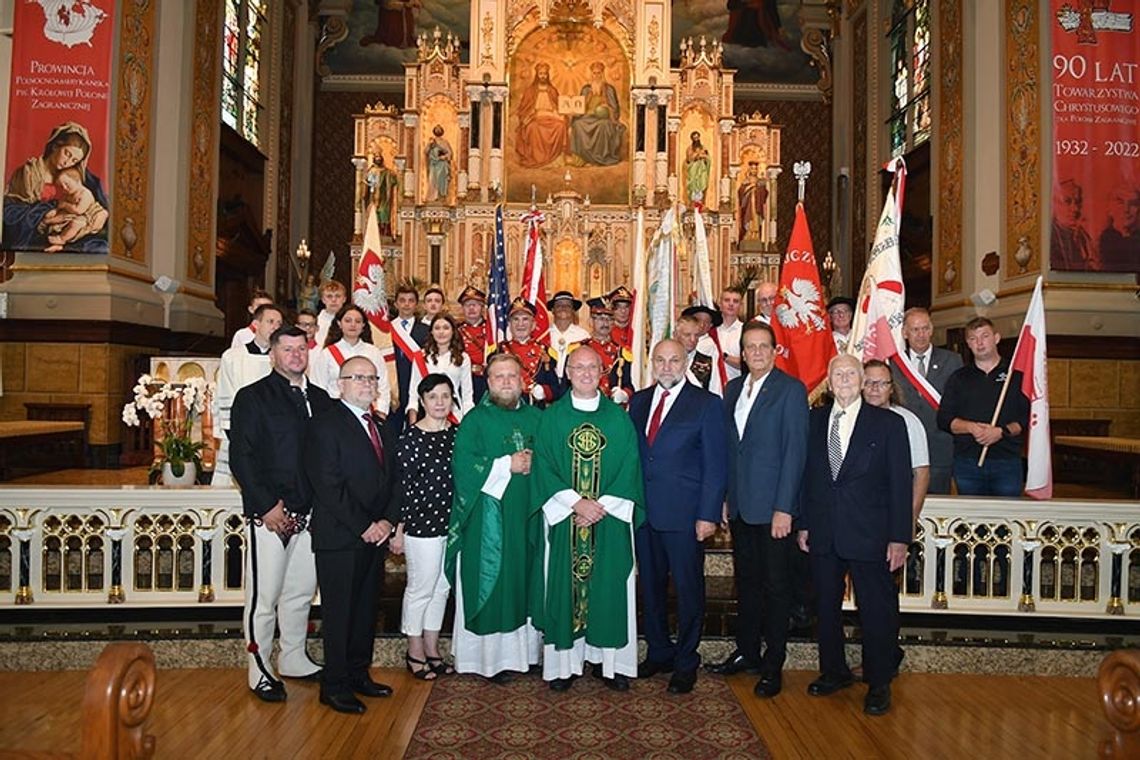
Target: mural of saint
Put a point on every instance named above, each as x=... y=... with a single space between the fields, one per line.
x=755 y=23
x=596 y=137
x=439 y=165
x=697 y=167
x=541 y=136
x=395 y=24
x=381 y=185
x=751 y=197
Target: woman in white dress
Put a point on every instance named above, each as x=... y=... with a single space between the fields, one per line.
x=349 y=335
x=444 y=354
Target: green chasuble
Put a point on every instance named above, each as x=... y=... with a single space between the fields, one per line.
x=491 y=534
x=594 y=454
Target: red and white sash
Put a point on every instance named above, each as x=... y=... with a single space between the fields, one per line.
x=408 y=346
x=720 y=364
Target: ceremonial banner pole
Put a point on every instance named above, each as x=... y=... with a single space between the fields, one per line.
x=638 y=344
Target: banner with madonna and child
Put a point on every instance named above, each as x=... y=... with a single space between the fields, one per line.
x=58 y=127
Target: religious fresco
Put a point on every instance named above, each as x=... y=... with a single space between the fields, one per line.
x=761 y=37
x=569 y=112
x=382 y=33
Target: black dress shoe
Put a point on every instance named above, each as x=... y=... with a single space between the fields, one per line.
x=650 y=668
x=799 y=618
x=829 y=684
x=734 y=663
x=878 y=700
x=343 y=703
x=768 y=686
x=370 y=688
x=269 y=691
x=617 y=683
x=502 y=678
x=561 y=684
x=682 y=682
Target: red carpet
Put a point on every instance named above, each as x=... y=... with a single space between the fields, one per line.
x=469 y=718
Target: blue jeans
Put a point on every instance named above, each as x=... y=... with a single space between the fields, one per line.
x=997 y=477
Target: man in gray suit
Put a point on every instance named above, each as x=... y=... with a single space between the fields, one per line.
x=937 y=365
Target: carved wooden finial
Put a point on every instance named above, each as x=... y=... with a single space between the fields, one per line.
x=1119 y=683
x=117 y=700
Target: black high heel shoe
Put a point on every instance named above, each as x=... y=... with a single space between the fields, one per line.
x=424 y=673
x=440 y=667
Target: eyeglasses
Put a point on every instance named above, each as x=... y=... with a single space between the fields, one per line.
x=875 y=385
x=369 y=379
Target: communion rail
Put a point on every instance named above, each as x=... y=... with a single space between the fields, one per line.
x=159 y=547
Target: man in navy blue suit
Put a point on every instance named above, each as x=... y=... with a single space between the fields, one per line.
x=766 y=417
x=680 y=432
x=856 y=503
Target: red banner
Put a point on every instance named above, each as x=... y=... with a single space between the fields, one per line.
x=59 y=127
x=1096 y=140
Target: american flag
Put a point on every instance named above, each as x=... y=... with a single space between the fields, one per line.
x=498 y=299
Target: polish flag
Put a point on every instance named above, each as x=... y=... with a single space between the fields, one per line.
x=534 y=282
x=804 y=345
x=1029 y=360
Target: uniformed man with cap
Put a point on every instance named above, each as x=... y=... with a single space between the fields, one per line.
x=564 y=334
x=539 y=382
x=473 y=330
x=622 y=331
x=616 y=382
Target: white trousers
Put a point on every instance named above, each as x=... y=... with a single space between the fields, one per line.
x=280 y=582
x=425 y=595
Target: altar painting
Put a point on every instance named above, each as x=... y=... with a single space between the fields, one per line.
x=569 y=111
x=382 y=33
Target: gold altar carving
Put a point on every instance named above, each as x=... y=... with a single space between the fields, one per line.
x=570 y=105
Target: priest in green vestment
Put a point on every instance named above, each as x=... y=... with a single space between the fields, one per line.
x=489 y=560
x=589 y=499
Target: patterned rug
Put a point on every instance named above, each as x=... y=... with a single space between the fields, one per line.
x=468 y=718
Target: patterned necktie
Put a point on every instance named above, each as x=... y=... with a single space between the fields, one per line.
x=834 y=448
x=300 y=399
x=922 y=364
x=655 y=421
x=374 y=434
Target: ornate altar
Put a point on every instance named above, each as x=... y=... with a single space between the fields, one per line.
x=573 y=106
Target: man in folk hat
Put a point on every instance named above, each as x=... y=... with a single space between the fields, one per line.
x=473 y=330
x=841 y=311
x=622 y=331
x=701 y=367
x=616 y=382
x=564 y=334
x=709 y=319
x=539 y=382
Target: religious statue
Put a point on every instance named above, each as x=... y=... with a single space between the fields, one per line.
x=309 y=297
x=751 y=197
x=542 y=129
x=596 y=136
x=381 y=186
x=439 y=165
x=697 y=167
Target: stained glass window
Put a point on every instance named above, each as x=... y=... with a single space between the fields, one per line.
x=908 y=82
x=241 y=67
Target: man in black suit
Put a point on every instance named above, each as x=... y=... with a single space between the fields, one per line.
x=856 y=503
x=766 y=420
x=680 y=433
x=350 y=461
x=408 y=339
x=267 y=428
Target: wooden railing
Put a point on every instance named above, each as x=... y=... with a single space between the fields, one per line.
x=87 y=547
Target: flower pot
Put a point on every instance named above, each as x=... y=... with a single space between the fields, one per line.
x=187 y=479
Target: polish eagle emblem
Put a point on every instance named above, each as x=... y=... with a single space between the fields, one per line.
x=369 y=292
x=801 y=306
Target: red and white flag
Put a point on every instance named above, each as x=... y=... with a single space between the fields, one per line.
x=876 y=328
x=804 y=345
x=534 y=281
x=1029 y=360
x=369 y=293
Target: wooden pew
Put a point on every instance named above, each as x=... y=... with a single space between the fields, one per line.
x=117 y=700
x=1119 y=683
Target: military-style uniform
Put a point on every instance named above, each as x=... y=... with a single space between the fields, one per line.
x=622 y=334
x=537 y=368
x=616 y=362
x=475 y=343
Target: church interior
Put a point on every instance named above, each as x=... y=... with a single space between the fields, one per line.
x=257 y=145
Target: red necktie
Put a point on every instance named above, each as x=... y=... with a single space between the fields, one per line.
x=655 y=420
x=374 y=434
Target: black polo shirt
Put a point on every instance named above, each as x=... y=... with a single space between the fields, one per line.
x=972 y=394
